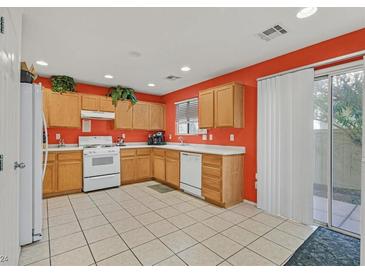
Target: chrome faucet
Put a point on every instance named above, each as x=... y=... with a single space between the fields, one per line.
x=61 y=142
x=181 y=139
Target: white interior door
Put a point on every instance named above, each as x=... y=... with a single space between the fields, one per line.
x=9 y=135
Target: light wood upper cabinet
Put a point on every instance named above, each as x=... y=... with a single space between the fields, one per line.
x=123 y=115
x=157 y=116
x=206 y=109
x=96 y=103
x=106 y=104
x=90 y=102
x=141 y=115
x=63 y=110
x=222 y=106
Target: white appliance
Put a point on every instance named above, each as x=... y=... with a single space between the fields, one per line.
x=97 y=115
x=191 y=173
x=32 y=123
x=101 y=162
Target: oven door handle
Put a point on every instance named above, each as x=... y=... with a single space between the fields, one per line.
x=101 y=155
x=101 y=176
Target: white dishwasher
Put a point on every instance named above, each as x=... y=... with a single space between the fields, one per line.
x=191 y=173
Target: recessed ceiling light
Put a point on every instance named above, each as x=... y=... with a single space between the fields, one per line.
x=108 y=76
x=306 y=12
x=185 y=68
x=151 y=85
x=42 y=63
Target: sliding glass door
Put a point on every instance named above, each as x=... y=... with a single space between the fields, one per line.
x=338 y=144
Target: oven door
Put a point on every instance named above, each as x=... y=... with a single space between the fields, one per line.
x=101 y=164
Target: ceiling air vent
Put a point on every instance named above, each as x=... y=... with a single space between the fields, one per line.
x=272 y=33
x=172 y=77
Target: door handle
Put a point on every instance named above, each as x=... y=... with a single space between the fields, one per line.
x=19 y=165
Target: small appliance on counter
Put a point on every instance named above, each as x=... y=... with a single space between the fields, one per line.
x=157 y=139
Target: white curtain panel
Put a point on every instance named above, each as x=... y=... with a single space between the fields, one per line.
x=285 y=145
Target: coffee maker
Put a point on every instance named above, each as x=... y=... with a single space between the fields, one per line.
x=157 y=139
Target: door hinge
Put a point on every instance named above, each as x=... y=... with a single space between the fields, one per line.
x=2 y=24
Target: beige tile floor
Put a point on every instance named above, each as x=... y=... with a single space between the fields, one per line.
x=135 y=225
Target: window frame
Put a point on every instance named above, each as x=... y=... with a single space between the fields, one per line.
x=188 y=122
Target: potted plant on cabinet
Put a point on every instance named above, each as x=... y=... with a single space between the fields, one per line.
x=63 y=83
x=122 y=93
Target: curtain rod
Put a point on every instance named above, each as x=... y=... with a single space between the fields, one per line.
x=321 y=63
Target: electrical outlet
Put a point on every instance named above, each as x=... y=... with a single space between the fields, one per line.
x=170 y=136
x=58 y=136
x=123 y=135
x=210 y=137
x=204 y=137
x=231 y=137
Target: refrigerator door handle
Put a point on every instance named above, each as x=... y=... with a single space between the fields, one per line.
x=46 y=148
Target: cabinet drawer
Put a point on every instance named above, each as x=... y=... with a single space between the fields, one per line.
x=159 y=152
x=64 y=156
x=143 y=151
x=212 y=183
x=212 y=171
x=212 y=160
x=172 y=154
x=127 y=152
x=212 y=194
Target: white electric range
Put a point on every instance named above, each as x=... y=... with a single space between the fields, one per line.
x=101 y=162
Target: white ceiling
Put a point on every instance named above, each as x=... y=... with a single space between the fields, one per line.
x=87 y=43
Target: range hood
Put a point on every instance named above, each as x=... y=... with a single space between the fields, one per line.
x=97 y=115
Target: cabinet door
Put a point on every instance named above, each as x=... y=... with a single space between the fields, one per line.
x=50 y=179
x=141 y=116
x=159 y=168
x=90 y=102
x=143 y=163
x=206 y=109
x=106 y=104
x=173 y=171
x=123 y=115
x=128 y=166
x=157 y=117
x=224 y=106
x=63 y=110
x=69 y=175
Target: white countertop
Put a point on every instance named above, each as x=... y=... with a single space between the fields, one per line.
x=197 y=148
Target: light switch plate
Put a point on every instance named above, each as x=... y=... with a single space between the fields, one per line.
x=231 y=137
x=210 y=137
x=204 y=137
x=58 y=136
x=170 y=136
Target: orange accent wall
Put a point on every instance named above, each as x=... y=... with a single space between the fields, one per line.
x=98 y=127
x=338 y=46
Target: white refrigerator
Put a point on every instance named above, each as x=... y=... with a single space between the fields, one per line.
x=32 y=124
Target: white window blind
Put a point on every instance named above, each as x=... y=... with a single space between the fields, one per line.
x=187 y=117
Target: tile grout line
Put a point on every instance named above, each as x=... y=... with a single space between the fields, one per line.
x=82 y=231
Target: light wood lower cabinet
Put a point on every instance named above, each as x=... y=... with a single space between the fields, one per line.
x=173 y=168
x=222 y=178
x=135 y=165
x=159 y=170
x=63 y=173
